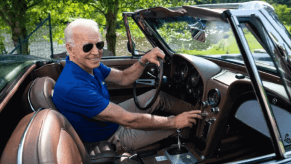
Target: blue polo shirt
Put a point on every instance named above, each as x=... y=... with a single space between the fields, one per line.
x=80 y=96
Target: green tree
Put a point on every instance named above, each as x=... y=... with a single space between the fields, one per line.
x=112 y=11
x=283 y=13
x=14 y=14
x=21 y=17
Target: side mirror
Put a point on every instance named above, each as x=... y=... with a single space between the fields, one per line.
x=197 y=31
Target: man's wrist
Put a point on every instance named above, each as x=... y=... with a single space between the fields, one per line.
x=141 y=63
x=172 y=122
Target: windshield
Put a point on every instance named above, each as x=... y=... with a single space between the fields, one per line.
x=220 y=42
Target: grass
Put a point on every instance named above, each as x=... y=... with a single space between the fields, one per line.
x=225 y=46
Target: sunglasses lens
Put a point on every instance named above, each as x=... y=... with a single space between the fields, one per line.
x=100 y=45
x=87 y=47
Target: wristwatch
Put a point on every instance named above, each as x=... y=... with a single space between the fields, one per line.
x=141 y=63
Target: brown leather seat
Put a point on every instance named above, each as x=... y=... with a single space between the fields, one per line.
x=48 y=138
x=38 y=94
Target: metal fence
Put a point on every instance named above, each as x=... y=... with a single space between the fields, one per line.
x=40 y=41
x=37 y=40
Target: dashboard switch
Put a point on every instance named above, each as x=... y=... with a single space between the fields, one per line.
x=204 y=114
x=211 y=120
x=215 y=110
x=205 y=104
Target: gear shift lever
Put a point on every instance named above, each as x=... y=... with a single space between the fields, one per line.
x=179 y=149
x=180 y=153
x=179 y=135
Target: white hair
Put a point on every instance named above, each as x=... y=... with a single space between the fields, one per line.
x=78 y=23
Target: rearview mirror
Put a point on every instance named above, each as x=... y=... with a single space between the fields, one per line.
x=197 y=30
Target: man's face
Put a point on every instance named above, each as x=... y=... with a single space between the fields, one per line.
x=86 y=60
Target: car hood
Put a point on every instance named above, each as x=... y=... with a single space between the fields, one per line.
x=12 y=65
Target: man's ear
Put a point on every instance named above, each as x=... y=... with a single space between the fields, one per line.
x=69 y=49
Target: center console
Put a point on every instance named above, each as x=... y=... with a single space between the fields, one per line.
x=180 y=155
x=175 y=154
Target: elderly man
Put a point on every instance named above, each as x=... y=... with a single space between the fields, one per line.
x=81 y=95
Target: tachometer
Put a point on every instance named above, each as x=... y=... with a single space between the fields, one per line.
x=183 y=71
x=194 y=77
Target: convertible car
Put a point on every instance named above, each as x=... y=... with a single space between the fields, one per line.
x=231 y=61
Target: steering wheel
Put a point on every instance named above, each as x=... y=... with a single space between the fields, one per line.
x=156 y=82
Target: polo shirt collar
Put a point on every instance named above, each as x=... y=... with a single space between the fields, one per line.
x=77 y=70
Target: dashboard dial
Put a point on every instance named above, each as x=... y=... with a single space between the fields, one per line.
x=197 y=91
x=214 y=97
x=194 y=77
x=183 y=71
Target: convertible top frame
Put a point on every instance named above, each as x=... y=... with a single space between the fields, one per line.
x=280 y=152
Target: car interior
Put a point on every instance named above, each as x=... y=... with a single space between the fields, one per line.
x=35 y=132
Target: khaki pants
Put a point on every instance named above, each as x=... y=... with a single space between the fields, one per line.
x=132 y=139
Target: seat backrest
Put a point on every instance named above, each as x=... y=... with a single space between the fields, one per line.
x=45 y=136
x=39 y=94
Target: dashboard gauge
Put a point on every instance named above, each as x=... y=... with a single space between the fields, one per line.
x=183 y=71
x=176 y=75
x=197 y=91
x=194 y=77
x=213 y=97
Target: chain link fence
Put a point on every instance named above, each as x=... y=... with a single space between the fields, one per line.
x=39 y=41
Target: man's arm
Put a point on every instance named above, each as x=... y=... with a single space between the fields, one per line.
x=132 y=73
x=117 y=114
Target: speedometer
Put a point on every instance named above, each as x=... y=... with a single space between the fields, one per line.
x=194 y=77
x=183 y=71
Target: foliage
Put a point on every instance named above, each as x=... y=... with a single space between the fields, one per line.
x=102 y=11
x=177 y=30
x=283 y=13
x=226 y=46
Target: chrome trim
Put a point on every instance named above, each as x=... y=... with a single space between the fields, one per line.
x=256 y=159
x=151 y=75
x=258 y=88
x=269 y=158
x=21 y=144
x=150 y=82
x=28 y=96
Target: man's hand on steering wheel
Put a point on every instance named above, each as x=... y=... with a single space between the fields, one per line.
x=152 y=56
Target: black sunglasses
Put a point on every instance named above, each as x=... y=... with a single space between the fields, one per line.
x=88 y=47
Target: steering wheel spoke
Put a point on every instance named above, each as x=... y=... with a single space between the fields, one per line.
x=151 y=75
x=150 y=82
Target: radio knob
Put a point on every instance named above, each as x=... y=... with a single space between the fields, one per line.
x=215 y=110
x=204 y=114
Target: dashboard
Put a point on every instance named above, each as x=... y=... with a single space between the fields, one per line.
x=214 y=89
x=188 y=79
